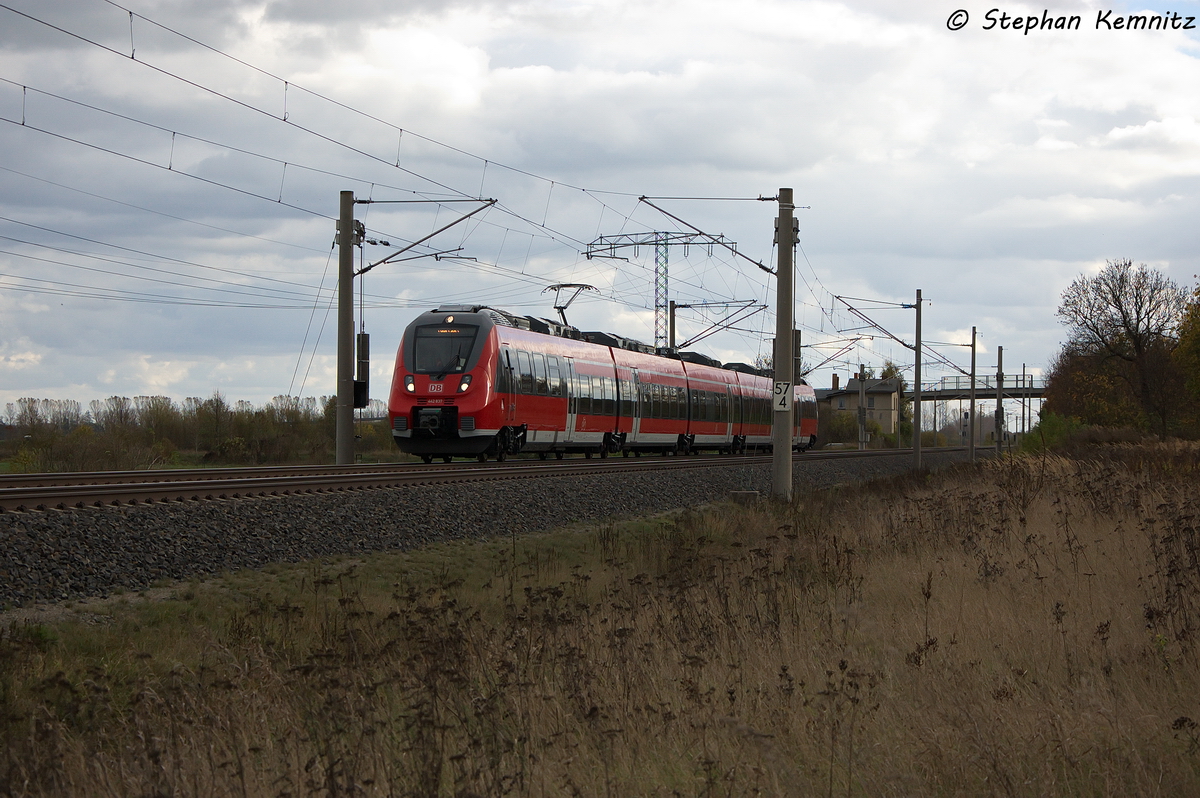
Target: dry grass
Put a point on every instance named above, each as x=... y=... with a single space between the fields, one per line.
x=1024 y=627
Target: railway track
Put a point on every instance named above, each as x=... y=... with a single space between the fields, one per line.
x=25 y=492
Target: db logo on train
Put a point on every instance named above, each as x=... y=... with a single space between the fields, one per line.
x=435 y=387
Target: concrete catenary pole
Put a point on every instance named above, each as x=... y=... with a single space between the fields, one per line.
x=971 y=417
x=345 y=325
x=999 y=397
x=862 y=406
x=1024 y=402
x=917 y=390
x=781 y=430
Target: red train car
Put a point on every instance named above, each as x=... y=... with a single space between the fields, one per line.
x=473 y=381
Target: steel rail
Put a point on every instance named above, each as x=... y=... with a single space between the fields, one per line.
x=186 y=474
x=132 y=487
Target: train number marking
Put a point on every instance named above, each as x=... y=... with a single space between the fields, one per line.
x=435 y=387
x=783 y=396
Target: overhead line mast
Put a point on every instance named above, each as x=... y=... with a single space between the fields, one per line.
x=786 y=236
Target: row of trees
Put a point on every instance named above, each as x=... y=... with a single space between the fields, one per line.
x=148 y=431
x=1132 y=357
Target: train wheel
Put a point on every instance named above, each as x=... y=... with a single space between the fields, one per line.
x=501 y=456
x=588 y=455
x=481 y=457
x=603 y=452
x=446 y=458
x=559 y=455
x=624 y=452
x=637 y=453
x=428 y=458
x=541 y=455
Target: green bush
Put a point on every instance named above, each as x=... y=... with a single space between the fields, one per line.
x=1051 y=432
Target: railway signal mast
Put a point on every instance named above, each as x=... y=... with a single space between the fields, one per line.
x=352 y=233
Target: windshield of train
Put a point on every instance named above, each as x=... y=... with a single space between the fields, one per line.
x=442 y=349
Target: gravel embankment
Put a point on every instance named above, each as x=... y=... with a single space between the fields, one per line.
x=53 y=555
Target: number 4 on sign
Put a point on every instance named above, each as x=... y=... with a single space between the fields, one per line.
x=783 y=396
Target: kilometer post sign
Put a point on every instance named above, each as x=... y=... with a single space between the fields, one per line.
x=782 y=400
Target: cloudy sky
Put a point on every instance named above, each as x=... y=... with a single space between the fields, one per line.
x=170 y=169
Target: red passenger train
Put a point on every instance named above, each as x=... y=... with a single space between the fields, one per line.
x=473 y=381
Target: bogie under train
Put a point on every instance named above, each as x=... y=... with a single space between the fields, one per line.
x=472 y=381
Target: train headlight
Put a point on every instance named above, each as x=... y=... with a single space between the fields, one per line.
x=466 y=382
x=410 y=385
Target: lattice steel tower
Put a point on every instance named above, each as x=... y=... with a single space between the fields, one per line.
x=661 y=248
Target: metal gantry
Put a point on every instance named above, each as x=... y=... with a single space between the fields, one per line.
x=662 y=241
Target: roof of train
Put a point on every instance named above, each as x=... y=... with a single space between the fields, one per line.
x=555 y=329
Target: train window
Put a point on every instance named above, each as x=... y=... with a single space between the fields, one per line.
x=555 y=375
x=443 y=348
x=525 y=371
x=628 y=401
x=539 y=374
x=583 y=403
x=610 y=396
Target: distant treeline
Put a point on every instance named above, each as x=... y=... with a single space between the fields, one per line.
x=155 y=432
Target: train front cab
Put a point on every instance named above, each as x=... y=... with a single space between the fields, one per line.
x=443 y=401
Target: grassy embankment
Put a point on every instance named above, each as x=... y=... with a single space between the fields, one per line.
x=1024 y=627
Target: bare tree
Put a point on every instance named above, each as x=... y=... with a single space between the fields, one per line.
x=1131 y=314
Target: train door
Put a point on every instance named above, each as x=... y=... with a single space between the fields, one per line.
x=572 y=394
x=510 y=401
x=729 y=411
x=635 y=383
